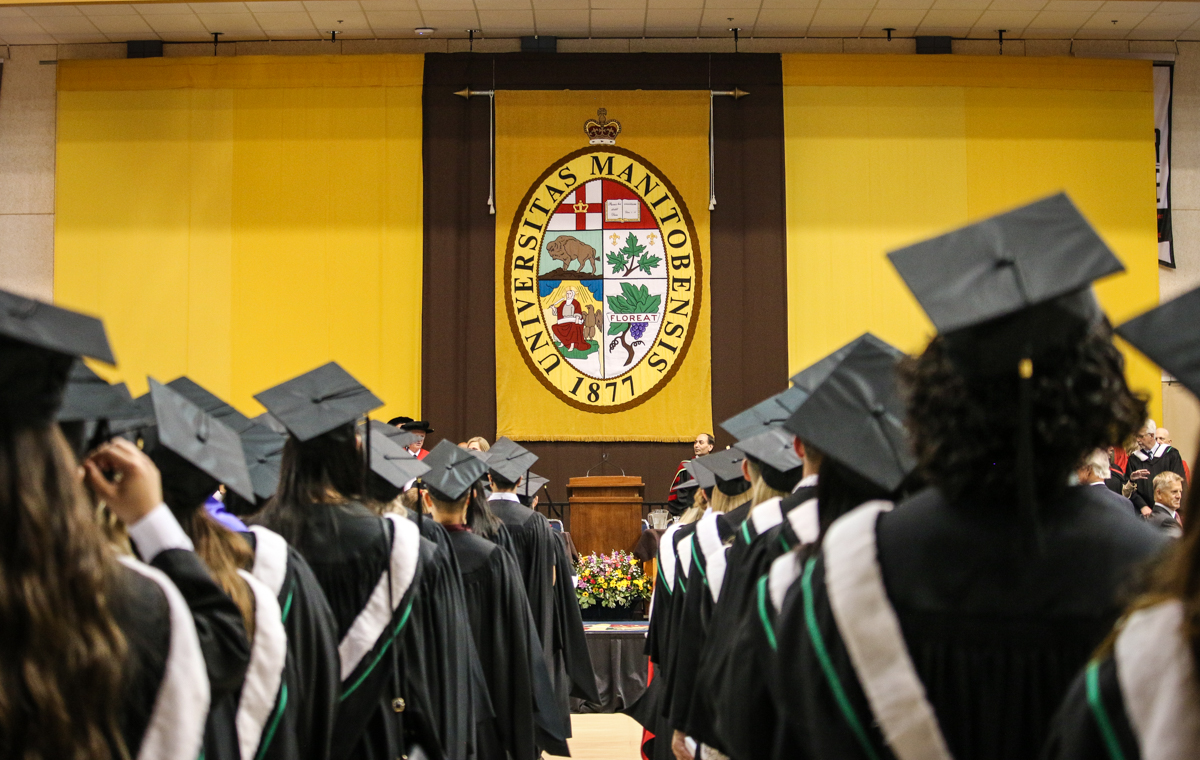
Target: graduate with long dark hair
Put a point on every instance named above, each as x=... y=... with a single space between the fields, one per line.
x=286 y=705
x=100 y=657
x=1139 y=695
x=951 y=625
x=408 y=662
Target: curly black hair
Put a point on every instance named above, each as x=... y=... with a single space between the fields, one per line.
x=964 y=425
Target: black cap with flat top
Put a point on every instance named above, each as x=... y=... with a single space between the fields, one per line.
x=510 y=460
x=90 y=397
x=204 y=441
x=391 y=461
x=704 y=476
x=263 y=448
x=772 y=447
x=1012 y=286
x=401 y=438
x=452 y=471
x=137 y=414
x=726 y=467
x=318 y=401
x=531 y=485
x=53 y=328
x=857 y=418
x=211 y=403
x=1168 y=336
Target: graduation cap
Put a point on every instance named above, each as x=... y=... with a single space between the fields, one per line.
x=408 y=423
x=530 y=486
x=267 y=419
x=772 y=447
x=452 y=471
x=856 y=417
x=263 y=449
x=509 y=459
x=53 y=328
x=390 y=460
x=89 y=397
x=1167 y=336
x=202 y=440
x=401 y=438
x=1016 y=284
x=209 y=402
x=726 y=467
x=318 y=401
x=137 y=414
x=704 y=476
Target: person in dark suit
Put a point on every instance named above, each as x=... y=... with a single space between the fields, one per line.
x=1168 y=493
x=1093 y=471
x=1115 y=477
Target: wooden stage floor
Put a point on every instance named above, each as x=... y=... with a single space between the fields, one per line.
x=600 y=736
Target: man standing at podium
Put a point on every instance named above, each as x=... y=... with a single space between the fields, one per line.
x=678 y=501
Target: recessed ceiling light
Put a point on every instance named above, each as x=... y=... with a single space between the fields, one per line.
x=424 y=30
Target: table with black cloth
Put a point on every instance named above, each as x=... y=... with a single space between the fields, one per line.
x=618 y=651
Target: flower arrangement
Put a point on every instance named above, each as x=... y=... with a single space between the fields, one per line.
x=610 y=580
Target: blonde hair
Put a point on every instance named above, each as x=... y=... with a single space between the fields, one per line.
x=759 y=490
x=479 y=441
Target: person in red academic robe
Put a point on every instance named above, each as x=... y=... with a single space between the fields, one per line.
x=569 y=329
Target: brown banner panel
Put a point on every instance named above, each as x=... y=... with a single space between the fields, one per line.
x=748 y=236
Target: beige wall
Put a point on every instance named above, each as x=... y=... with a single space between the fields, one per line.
x=27 y=128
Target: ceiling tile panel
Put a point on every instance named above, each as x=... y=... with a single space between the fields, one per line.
x=276 y=6
x=28 y=39
x=284 y=20
x=10 y=25
x=1013 y=21
x=68 y=25
x=847 y=4
x=1059 y=20
x=951 y=18
x=562 y=23
x=122 y=25
x=833 y=31
x=616 y=23
x=881 y=19
x=339 y=20
x=1167 y=22
x=94 y=10
x=1090 y=6
x=675 y=18
x=395 y=20
x=913 y=5
x=718 y=18
x=506 y=19
x=229 y=23
x=332 y=6
x=793 y=23
x=178 y=23
x=11 y=12
x=451 y=19
x=446 y=5
x=742 y=5
x=839 y=17
x=75 y=39
x=944 y=31
x=219 y=7
x=1132 y=6
x=163 y=9
x=389 y=5
x=561 y=5
x=303 y=33
x=1017 y=5
x=503 y=5
x=623 y=5
x=1103 y=20
x=1049 y=33
x=43 y=11
x=961 y=5
x=785 y=4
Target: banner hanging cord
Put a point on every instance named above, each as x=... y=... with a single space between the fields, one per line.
x=735 y=93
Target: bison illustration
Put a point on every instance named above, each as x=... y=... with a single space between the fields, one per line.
x=568 y=249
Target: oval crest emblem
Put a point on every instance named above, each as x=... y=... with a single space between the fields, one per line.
x=603 y=278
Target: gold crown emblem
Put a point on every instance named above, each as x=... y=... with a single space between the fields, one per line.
x=581 y=207
x=600 y=130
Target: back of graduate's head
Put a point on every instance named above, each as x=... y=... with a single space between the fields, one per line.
x=324 y=469
x=442 y=507
x=480 y=518
x=501 y=483
x=840 y=489
x=964 y=423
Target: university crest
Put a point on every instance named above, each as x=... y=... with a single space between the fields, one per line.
x=603 y=276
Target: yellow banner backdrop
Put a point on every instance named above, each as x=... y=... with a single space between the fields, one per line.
x=602 y=245
x=242 y=220
x=884 y=151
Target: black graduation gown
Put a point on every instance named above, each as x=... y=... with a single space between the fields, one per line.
x=300 y=726
x=995 y=632
x=141 y=611
x=540 y=556
x=1168 y=460
x=506 y=642
x=693 y=629
x=419 y=692
x=732 y=709
x=1075 y=733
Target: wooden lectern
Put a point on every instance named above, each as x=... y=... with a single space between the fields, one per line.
x=606 y=513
